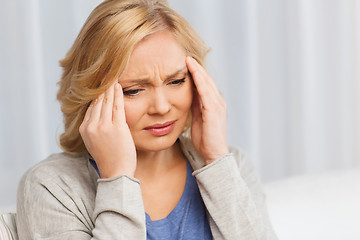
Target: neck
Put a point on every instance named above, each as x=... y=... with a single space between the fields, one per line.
x=154 y=163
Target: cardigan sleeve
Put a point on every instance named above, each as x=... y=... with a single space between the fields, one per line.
x=232 y=193
x=51 y=209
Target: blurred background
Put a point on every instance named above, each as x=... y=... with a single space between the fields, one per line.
x=288 y=69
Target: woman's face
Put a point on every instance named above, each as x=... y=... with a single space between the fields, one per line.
x=158 y=92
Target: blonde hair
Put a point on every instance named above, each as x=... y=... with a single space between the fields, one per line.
x=101 y=52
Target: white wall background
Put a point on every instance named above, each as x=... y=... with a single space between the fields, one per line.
x=288 y=69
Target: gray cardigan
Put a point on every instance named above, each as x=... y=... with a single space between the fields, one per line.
x=62 y=197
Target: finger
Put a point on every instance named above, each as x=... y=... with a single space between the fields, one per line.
x=96 y=109
x=203 y=79
x=88 y=112
x=107 y=105
x=196 y=69
x=118 y=106
x=204 y=83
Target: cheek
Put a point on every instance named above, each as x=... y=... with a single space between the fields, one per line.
x=133 y=112
x=185 y=97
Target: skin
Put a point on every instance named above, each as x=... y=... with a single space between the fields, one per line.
x=155 y=88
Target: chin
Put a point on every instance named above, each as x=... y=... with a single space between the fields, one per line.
x=156 y=143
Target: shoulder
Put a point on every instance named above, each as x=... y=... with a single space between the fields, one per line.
x=56 y=189
x=57 y=166
x=58 y=174
x=61 y=180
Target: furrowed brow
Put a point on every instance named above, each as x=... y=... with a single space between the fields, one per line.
x=171 y=76
x=135 y=81
x=147 y=80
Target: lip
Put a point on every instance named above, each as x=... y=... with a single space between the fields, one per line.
x=161 y=129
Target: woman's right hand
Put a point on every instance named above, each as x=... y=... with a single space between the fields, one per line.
x=106 y=134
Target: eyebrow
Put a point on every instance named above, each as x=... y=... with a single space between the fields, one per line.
x=146 y=80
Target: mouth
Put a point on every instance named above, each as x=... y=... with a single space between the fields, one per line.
x=160 y=129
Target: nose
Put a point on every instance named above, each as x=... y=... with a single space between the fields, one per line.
x=159 y=103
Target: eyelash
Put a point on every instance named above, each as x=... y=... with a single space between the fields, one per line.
x=177 y=82
x=134 y=92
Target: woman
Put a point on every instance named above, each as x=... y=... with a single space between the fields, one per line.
x=133 y=84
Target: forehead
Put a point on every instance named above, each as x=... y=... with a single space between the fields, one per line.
x=158 y=53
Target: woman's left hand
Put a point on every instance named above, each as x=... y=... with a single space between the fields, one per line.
x=208 y=129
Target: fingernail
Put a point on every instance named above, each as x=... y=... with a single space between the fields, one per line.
x=117 y=86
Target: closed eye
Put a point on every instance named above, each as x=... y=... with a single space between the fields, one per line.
x=177 y=82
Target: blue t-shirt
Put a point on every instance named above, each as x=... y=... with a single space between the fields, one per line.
x=186 y=221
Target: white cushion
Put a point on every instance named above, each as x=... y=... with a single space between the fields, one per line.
x=322 y=206
x=8 y=227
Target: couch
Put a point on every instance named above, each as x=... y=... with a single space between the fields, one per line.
x=316 y=207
